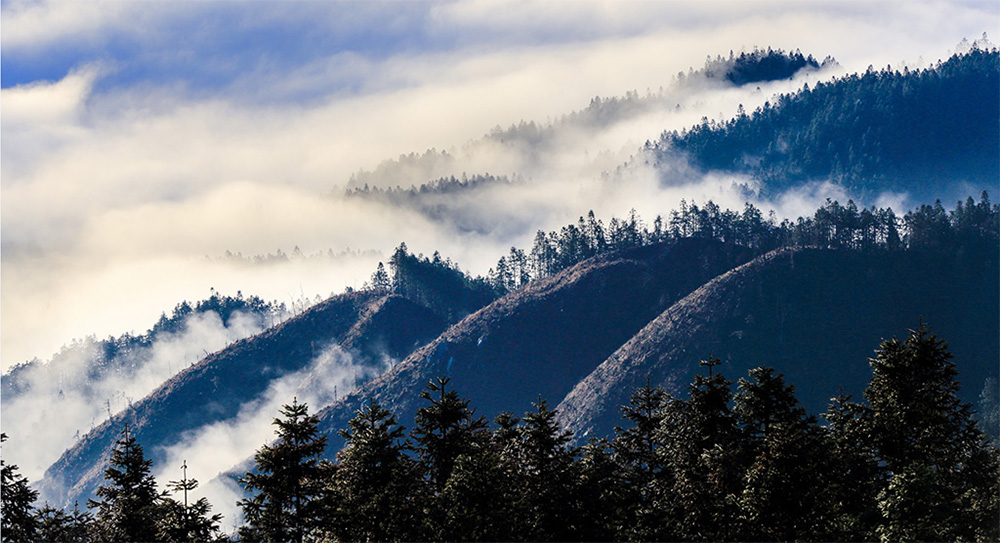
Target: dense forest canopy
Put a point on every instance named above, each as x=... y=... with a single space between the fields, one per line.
x=759 y=65
x=717 y=463
x=883 y=129
x=834 y=225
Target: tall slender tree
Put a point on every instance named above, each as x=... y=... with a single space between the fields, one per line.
x=186 y=521
x=287 y=482
x=17 y=520
x=130 y=503
x=376 y=486
x=943 y=476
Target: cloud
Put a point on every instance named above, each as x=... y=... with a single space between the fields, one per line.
x=66 y=398
x=150 y=152
x=29 y=23
x=212 y=451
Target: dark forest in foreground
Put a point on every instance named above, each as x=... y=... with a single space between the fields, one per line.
x=907 y=463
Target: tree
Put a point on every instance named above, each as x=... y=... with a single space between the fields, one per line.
x=130 y=505
x=603 y=490
x=380 y=279
x=700 y=448
x=16 y=516
x=547 y=464
x=287 y=481
x=444 y=430
x=854 y=479
x=480 y=501
x=637 y=452
x=943 y=478
x=182 y=521
x=784 y=487
x=374 y=488
x=58 y=526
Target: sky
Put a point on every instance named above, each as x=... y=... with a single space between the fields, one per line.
x=141 y=141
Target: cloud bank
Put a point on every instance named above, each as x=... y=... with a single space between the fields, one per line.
x=60 y=401
x=212 y=451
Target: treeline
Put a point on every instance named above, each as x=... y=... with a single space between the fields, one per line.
x=442 y=285
x=832 y=226
x=444 y=185
x=722 y=464
x=128 y=351
x=437 y=283
x=881 y=129
x=281 y=257
x=760 y=65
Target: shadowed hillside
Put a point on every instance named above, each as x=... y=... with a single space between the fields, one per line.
x=917 y=131
x=542 y=339
x=813 y=314
x=367 y=325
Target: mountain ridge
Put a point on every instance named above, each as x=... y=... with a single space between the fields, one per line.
x=770 y=311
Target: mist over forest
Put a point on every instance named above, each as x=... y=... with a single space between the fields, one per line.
x=538 y=203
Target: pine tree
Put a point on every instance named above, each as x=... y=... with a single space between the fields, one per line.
x=854 y=479
x=480 y=499
x=375 y=486
x=783 y=498
x=547 y=463
x=17 y=521
x=380 y=279
x=287 y=482
x=183 y=521
x=58 y=526
x=130 y=505
x=636 y=450
x=700 y=448
x=943 y=476
x=603 y=492
x=444 y=430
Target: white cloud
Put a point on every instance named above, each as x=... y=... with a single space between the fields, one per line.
x=64 y=400
x=112 y=196
x=213 y=450
x=33 y=23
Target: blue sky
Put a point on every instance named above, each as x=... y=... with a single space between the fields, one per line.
x=208 y=47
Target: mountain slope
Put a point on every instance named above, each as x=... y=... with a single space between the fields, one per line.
x=542 y=339
x=917 y=131
x=815 y=315
x=367 y=325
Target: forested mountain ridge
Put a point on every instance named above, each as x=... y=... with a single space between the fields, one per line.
x=128 y=351
x=544 y=337
x=368 y=327
x=916 y=131
x=514 y=153
x=549 y=332
x=810 y=313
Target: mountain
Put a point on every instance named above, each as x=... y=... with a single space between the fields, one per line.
x=542 y=339
x=815 y=315
x=368 y=326
x=920 y=131
x=585 y=331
